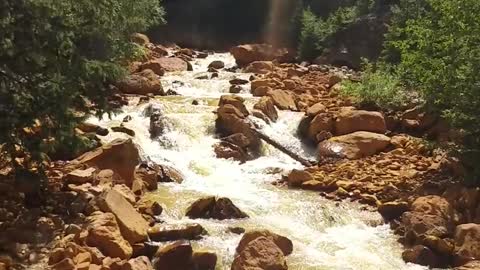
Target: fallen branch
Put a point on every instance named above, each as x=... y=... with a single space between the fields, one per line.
x=280 y=147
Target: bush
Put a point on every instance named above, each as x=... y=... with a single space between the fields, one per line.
x=436 y=46
x=57 y=61
x=378 y=88
x=316 y=32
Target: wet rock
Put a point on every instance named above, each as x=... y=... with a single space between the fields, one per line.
x=350 y=120
x=158 y=124
x=227 y=150
x=202 y=55
x=204 y=260
x=260 y=115
x=238 y=139
x=202 y=77
x=142 y=83
x=238 y=81
x=154 y=65
x=172 y=64
x=231 y=121
x=353 y=146
x=104 y=233
x=235 y=89
x=392 y=210
x=235 y=101
x=132 y=225
x=120 y=156
x=92 y=128
x=81 y=176
x=127 y=119
x=213 y=208
x=282 y=242
x=176 y=232
x=123 y=129
x=236 y=230
x=169 y=174
x=217 y=64
x=148 y=176
x=260 y=67
x=175 y=256
x=467 y=241
x=261 y=253
x=421 y=255
x=283 y=100
x=267 y=106
x=297 y=177
x=149 y=207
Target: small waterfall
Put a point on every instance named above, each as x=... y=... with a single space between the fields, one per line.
x=325 y=235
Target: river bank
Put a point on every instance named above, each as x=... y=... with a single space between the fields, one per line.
x=163 y=154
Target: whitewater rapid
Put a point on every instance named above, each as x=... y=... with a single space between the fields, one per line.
x=325 y=234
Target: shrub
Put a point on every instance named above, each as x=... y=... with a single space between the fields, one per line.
x=378 y=88
x=436 y=46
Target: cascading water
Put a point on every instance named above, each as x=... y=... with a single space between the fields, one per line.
x=325 y=234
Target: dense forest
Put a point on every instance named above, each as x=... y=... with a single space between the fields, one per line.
x=384 y=93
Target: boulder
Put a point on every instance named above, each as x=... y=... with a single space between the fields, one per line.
x=142 y=83
x=434 y=205
x=353 y=146
x=297 y=177
x=172 y=64
x=235 y=101
x=260 y=115
x=316 y=109
x=266 y=106
x=227 y=150
x=261 y=253
x=238 y=81
x=176 y=232
x=421 y=255
x=167 y=174
x=217 y=64
x=149 y=207
x=467 y=241
x=350 y=120
x=204 y=260
x=322 y=122
x=155 y=66
x=417 y=225
x=237 y=139
x=285 y=244
x=175 y=256
x=139 y=263
x=235 y=89
x=123 y=129
x=149 y=177
x=92 y=128
x=121 y=156
x=231 y=121
x=132 y=225
x=260 y=67
x=104 y=233
x=80 y=176
x=214 y=208
x=248 y=53
x=392 y=210
x=283 y=100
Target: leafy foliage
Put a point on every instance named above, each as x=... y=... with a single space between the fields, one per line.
x=57 y=60
x=316 y=31
x=436 y=46
x=378 y=88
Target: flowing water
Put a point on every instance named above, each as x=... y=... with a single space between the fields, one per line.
x=325 y=234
